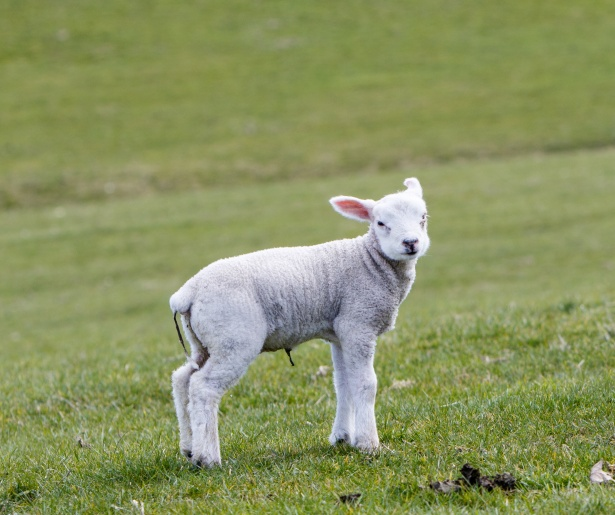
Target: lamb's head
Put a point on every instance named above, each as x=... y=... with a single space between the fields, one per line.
x=398 y=221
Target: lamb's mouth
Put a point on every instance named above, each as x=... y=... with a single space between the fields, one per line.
x=408 y=255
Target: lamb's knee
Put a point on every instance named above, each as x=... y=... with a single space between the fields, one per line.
x=205 y=399
x=204 y=390
x=366 y=387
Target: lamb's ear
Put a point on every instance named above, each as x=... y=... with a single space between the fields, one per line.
x=353 y=208
x=414 y=186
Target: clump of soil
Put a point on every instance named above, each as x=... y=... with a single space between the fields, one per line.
x=349 y=498
x=470 y=476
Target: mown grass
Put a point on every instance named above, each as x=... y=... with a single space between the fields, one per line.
x=544 y=413
x=502 y=356
x=122 y=98
x=143 y=140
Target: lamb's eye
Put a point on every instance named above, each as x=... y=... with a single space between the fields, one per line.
x=380 y=224
x=423 y=220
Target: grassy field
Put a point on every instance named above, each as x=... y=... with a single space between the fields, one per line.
x=124 y=98
x=147 y=139
x=506 y=341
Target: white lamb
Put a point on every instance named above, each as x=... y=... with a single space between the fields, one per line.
x=346 y=292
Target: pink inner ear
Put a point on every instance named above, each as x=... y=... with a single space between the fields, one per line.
x=353 y=207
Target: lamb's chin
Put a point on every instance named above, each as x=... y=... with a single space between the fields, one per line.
x=401 y=256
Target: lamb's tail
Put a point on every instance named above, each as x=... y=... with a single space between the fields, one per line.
x=181 y=300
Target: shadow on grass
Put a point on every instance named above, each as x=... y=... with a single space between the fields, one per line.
x=18 y=495
x=142 y=470
x=169 y=466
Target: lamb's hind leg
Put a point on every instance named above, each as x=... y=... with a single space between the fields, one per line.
x=207 y=386
x=181 y=381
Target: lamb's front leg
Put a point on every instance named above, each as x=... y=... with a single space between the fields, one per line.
x=362 y=382
x=343 y=426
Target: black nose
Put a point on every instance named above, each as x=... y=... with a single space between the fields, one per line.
x=410 y=244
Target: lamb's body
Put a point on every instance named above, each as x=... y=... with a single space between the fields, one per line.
x=346 y=292
x=296 y=294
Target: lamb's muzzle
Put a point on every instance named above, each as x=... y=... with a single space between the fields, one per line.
x=411 y=245
x=350 y=293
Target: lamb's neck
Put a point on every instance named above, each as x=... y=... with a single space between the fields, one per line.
x=399 y=274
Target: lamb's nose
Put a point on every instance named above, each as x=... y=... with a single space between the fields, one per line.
x=410 y=244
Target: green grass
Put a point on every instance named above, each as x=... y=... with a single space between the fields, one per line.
x=538 y=414
x=507 y=339
x=123 y=98
x=142 y=140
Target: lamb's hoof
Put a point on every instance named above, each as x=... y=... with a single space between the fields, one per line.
x=204 y=463
x=336 y=439
x=369 y=445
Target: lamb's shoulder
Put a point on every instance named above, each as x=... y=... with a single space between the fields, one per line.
x=374 y=309
x=373 y=297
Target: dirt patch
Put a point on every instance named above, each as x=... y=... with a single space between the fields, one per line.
x=471 y=477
